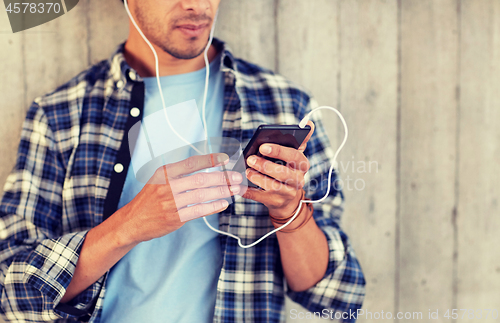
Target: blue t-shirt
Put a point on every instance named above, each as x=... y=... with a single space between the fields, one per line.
x=172 y=278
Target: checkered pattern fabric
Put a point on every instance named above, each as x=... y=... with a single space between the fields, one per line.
x=58 y=187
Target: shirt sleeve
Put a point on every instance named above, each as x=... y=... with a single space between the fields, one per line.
x=342 y=289
x=37 y=259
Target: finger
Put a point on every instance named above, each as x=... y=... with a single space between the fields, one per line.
x=281 y=173
x=269 y=184
x=200 y=180
x=304 y=144
x=256 y=195
x=195 y=163
x=204 y=209
x=205 y=194
x=293 y=158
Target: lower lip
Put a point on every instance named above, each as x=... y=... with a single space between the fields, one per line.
x=192 y=32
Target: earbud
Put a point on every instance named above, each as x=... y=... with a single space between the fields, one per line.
x=304 y=121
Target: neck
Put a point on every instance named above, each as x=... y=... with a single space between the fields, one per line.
x=139 y=56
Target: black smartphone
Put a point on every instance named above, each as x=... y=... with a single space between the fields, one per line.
x=285 y=135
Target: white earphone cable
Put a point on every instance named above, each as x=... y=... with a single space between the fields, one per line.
x=302 y=124
x=306 y=118
x=207 y=74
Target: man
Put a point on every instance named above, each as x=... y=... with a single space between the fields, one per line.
x=84 y=240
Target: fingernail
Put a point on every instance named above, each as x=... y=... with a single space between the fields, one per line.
x=234 y=189
x=265 y=149
x=224 y=204
x=237 y=177
x=251 y=160
x=222 y=158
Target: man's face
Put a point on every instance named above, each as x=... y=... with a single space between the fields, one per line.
x=179 y=27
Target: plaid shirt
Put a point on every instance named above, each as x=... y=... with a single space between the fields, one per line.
x=57 y=191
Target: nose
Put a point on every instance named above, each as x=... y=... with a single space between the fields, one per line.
x=197 y=6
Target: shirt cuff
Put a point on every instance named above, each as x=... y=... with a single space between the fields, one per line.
x=50 y=269
x=342 y=288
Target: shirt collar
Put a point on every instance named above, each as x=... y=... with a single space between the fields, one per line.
x=122 y=73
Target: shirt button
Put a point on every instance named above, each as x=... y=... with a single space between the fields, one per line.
x=134 y=112
x=132 y=75
x=337 y=200
x=119 y=84
x=118 y=168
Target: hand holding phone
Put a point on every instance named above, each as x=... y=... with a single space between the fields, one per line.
x=285 y=135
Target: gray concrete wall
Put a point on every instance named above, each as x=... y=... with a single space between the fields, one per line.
x=418 y=82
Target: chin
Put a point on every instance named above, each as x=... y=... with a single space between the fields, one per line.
x=189 y=49
x=182 y=53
